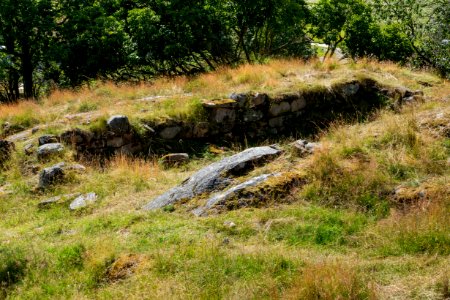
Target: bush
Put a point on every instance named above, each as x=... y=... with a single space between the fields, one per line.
x=12 y=266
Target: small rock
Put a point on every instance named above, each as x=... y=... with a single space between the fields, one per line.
x=280 y=108
x=119 y=124
x=115 y=142
x=48 y=139
x=83 y=201
x=174 y=159
x=49 y=149
x=28 y=149
x=50 y=176
x=229 y=224
x=35 y=129
x=169 y=133
x=303 y=148
x=78 y=168
x=350 y=89
x=57 y=199
x=6 y=127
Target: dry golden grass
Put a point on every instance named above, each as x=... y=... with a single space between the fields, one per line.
x=175 y=97
x=330 y=280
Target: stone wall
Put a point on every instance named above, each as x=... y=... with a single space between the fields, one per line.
x=247 y=116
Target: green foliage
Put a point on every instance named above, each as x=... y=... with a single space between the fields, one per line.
x=12 y=266
x=426 y=26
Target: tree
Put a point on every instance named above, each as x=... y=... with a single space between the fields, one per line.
x=89 y=41
x=426 y=24
x=25 y=26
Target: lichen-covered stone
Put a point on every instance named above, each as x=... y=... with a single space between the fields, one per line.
x=119 y=124
x=50 y=176
x=48 y=150
x=214 y=176
x=83 y=201
x=303 y=148
x=221 y=198
x=48 y=139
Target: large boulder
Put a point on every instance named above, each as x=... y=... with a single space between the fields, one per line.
x=50 y=176
x=119 y=124
x=215 y=176
x=221 y=198
x=48 y=150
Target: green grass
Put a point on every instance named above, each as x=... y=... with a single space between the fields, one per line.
x=343 y=235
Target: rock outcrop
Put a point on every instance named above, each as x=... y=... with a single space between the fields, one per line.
x=215 y=176
x=222 y=197
x=50 y=176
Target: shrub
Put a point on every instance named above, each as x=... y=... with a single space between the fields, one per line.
x=12 y=266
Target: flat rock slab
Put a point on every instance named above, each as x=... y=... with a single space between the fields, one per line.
x=57 y=199
x=83 y=201
x=215 y=176
x=221 y=198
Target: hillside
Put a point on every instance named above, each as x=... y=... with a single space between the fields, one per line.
x=361 y=212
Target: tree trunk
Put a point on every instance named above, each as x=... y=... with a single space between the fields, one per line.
x=27 y=72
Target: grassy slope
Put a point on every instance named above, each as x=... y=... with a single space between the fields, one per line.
x=344 y=235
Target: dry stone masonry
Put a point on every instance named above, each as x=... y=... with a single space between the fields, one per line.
x=244 y=116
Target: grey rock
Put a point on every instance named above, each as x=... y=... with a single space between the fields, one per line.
x=35 y=129
x=350 y=89
x=77 y=168
x=115 y=142
x=276 y=122
x=49 y=149
x=201 y=130
x=224 y=115
x=303 y=148
x=259 y=99
x=119 y=124
x=50 y=176
x=48 y=139
x=76 y=136
x=83 y=201
x=169 y=133
x=220 y=199
x=252 y=115
x=57 y=199
x=298 y=104
x=241 y=99
x=28 y=149
x=280 y=108
x=174 y=159
x=229 y=224
x=214 y=176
